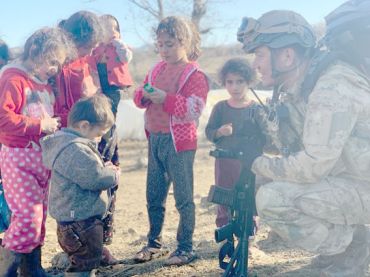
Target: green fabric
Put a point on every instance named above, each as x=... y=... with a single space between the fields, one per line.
x=4 y=211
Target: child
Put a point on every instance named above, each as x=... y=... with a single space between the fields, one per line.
x=26 y=114
x=78 y=177
x=112 y=57
x=172 y=113
x=233 y=126
x=80 y=77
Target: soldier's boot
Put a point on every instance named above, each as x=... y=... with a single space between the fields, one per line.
x=31 y=264
x=323 y=261
x=9 y=262
x=353 y=262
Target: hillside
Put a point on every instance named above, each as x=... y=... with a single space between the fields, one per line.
x=210 y=60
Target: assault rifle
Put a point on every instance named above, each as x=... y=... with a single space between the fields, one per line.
x=236 y=233
x=108 y=149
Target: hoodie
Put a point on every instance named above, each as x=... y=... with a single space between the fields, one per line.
x=78 y=176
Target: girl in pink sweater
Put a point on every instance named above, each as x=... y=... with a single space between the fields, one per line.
x=172 y=111
x=27 y=114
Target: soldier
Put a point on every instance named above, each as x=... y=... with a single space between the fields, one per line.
x=319 y=197
x=295 y=48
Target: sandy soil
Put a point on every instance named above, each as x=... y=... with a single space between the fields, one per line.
x=269 y=256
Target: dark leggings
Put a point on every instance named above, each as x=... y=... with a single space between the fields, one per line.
x=165 y=165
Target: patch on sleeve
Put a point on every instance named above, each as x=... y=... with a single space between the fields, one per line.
x=317 y=129
x=324 y=128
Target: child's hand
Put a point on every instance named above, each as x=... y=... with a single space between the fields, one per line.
x=225 y=130
x=115 y=168
x=146 y=95
x=111 y=166
x=123 y=51
x=156 y=95
x=50 y=125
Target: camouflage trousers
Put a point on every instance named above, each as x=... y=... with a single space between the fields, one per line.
x=320 y=217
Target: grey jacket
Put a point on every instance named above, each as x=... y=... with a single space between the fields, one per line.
x=78 y=176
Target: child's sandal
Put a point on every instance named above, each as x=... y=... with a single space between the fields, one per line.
x=149 y=253
x=180 y=258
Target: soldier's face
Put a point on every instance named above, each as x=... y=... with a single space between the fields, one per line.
x=262 y=63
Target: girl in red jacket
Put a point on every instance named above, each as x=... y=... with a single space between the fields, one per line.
x=79 y=78
x=173 y=107
x=26 y=114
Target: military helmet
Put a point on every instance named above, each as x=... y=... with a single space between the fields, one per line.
x=352 y=15
x=276 y=29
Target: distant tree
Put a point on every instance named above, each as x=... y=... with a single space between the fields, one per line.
x=155 y=9
x=161 y=8
x=199 y=10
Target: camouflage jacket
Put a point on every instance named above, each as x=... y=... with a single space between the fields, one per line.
x=335 y=135
x=283 y=123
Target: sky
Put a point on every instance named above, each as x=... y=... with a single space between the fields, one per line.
x=20 y=18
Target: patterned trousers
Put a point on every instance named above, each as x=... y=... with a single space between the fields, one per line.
x=165 y=165
x=25 y=182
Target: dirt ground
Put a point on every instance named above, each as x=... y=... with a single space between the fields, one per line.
x=269 y=256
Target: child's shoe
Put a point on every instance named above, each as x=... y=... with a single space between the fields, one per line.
x=9 y=262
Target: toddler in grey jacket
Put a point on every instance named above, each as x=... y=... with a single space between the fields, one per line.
x=78 y=178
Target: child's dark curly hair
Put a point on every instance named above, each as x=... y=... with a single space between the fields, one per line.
x=185 y=31
x=237 y=66
x=84 y=28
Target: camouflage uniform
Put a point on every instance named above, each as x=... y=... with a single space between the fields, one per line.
x=321 y=192
x=284 y=134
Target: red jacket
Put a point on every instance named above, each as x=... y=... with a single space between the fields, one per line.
x=117 y=65
x=184 y=107
x=24 y=100
x=76 y=80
